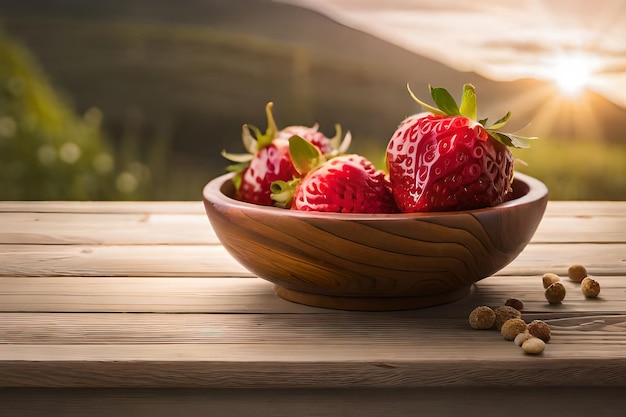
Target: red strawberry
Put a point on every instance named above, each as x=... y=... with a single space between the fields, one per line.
x=270 y=163
x=446 y=160
x=342 y=184
x=269 y=160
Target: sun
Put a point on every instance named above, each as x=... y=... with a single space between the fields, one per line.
x=572 y=73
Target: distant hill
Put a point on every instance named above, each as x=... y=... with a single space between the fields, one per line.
x=197 y=69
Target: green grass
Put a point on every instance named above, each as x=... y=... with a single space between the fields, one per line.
x=578 y=170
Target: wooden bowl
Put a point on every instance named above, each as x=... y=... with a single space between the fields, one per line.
x=374 y=262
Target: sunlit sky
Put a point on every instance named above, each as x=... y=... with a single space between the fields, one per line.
x=577 y=44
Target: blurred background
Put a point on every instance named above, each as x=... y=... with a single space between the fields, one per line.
x=135 y=99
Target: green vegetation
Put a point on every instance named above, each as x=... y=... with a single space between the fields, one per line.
x=577 y=170
x=49 y=151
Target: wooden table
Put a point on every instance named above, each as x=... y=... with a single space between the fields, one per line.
x=112 y=308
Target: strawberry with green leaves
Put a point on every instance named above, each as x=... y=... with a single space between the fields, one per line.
x=445 y=159
x=341 y=184
x=268 y=157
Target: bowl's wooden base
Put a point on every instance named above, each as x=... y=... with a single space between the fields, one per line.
x=370 y=303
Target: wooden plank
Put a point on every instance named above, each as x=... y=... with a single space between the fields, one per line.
x=586 y=208
x=132 y=294
x=539 y=258
x=189 y=229
x=581 y=229
x=145 y=260
x=253 y=295
x=325 y=365
x=106 y=207
x=253 y=338
x=554 y=208
x=208 y=261
x=373 y=332
x=106 y=229
x=361 y=402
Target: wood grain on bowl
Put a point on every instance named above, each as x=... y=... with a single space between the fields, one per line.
x=374 y=262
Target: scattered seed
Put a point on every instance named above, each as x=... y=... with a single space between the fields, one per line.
x=590 y=287
x=533 y=346
x=521 y=338
x=504 y=313
x=549 y=278
x=577 y=273
x=512 y=327
x=540 y=329
x=555 y=293
x=482 y=318
x=515 y=303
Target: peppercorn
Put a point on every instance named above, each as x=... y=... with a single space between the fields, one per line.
x=555 y=293
x=590 y=287
x=482 y=318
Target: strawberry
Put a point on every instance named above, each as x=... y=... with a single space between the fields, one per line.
x=341 y=184
x=268 y=157
x=445 y=160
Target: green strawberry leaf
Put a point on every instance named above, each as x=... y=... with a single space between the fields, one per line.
x=237 y=167
x=304 y=155
x=500 y=122
x=335 y=141
x=444 y=101
x=237 y=157
x=521 y=141
x=428 y=107
x=500 y=137
x=249 y=142
x=468 y=107
x=338 y=144
x=510 y=139
x=257 y=135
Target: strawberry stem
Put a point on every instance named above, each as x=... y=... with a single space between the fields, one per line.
x=270 y=132
x=282 y=192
